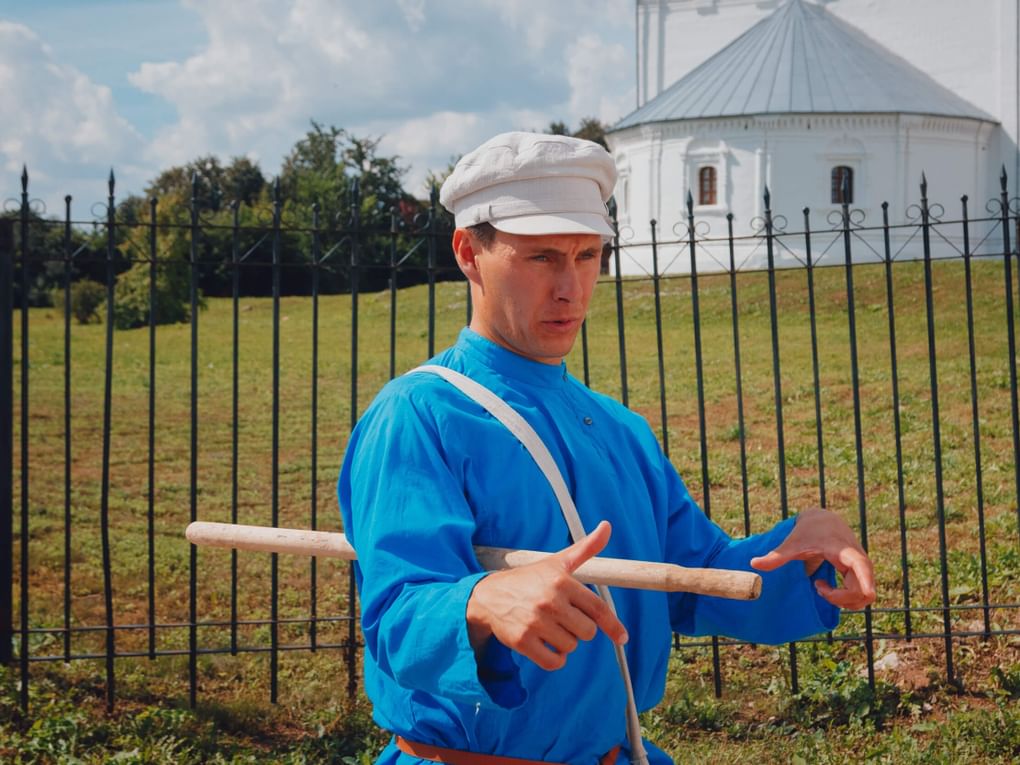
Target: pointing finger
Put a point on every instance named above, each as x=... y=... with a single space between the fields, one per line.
x=572 y=557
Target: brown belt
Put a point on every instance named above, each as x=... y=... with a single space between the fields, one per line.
x=461 y=757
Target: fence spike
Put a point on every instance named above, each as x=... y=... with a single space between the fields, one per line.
x=844 y=188
x=276 y=189
x=924 y=185
x=24 y=179
x=768 y=198
x=690 y=203
x=1003 y=178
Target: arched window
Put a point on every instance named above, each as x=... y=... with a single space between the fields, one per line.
x=706 y=186
x=841 y=174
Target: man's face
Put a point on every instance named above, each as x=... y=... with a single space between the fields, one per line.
x=531 y=293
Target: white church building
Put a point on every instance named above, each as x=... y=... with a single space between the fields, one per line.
x=813 y=100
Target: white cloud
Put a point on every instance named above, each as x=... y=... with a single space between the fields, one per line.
x=601 y=81
x=430 y=142
x=63 y=126
x=431 y=79
x=414 y=13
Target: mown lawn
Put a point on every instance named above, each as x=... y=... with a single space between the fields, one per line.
x=912 y=715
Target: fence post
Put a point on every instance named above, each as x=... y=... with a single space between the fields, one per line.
x=6 y=439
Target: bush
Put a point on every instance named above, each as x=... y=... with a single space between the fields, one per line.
x=87 y=297
x=131 y=296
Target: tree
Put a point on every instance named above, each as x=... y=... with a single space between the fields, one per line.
x=215 y=185
x=591 y=129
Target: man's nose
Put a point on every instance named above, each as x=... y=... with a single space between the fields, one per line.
x=568 y=284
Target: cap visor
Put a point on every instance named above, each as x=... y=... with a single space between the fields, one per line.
x=560 y=223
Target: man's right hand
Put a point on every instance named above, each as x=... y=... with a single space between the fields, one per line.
x=541 y=611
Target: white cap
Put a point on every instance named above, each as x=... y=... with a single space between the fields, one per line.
x=533 y=183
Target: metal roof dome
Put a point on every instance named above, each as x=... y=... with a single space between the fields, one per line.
x=802 y=59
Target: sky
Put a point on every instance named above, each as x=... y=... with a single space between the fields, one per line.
x=137 y=86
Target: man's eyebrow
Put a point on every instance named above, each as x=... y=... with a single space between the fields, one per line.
x=554 y=251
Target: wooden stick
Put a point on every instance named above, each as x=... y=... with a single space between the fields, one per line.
x=614 y=572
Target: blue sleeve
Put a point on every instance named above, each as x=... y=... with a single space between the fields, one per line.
x=406 y=515
x=789 y=607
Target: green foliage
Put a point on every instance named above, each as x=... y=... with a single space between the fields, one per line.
x=212 y=184
x=48 y=247
x=170 y=299
x=696 y=708
x=836 y=692
x=87 y=297
x=994 y=734
x=1008 y=680
x=66 y=725
x=324 y=166
x=590 y=129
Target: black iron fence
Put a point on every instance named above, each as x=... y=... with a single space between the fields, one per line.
x=878 y=381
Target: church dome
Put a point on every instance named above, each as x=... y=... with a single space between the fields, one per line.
x=802 y=60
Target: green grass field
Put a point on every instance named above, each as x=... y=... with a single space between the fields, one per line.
x=913 y=715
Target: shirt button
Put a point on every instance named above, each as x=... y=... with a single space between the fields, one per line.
x=587 y=420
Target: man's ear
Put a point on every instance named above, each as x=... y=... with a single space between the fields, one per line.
x=466 y=249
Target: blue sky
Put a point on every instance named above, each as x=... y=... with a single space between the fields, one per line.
x=140 y=85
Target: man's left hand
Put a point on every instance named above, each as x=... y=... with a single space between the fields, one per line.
x=818 y=536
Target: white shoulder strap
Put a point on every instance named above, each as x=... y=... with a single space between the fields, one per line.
x=539 y=452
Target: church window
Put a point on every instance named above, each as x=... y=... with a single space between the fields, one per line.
x=841 y=174
x=706 y=186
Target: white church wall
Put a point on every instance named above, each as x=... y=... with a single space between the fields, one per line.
x=794 y=156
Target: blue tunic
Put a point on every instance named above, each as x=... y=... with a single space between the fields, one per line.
x=428 y=474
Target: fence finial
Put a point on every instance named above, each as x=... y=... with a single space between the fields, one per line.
x=690 y=203
x=24 y=178
x=111 y=182
x=276 y=189
x=768 y=198
x=1003 y=178
x=924 y=185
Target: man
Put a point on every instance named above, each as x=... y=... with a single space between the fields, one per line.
x=520 y=664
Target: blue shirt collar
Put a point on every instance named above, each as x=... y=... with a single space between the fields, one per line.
x=506 y=363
